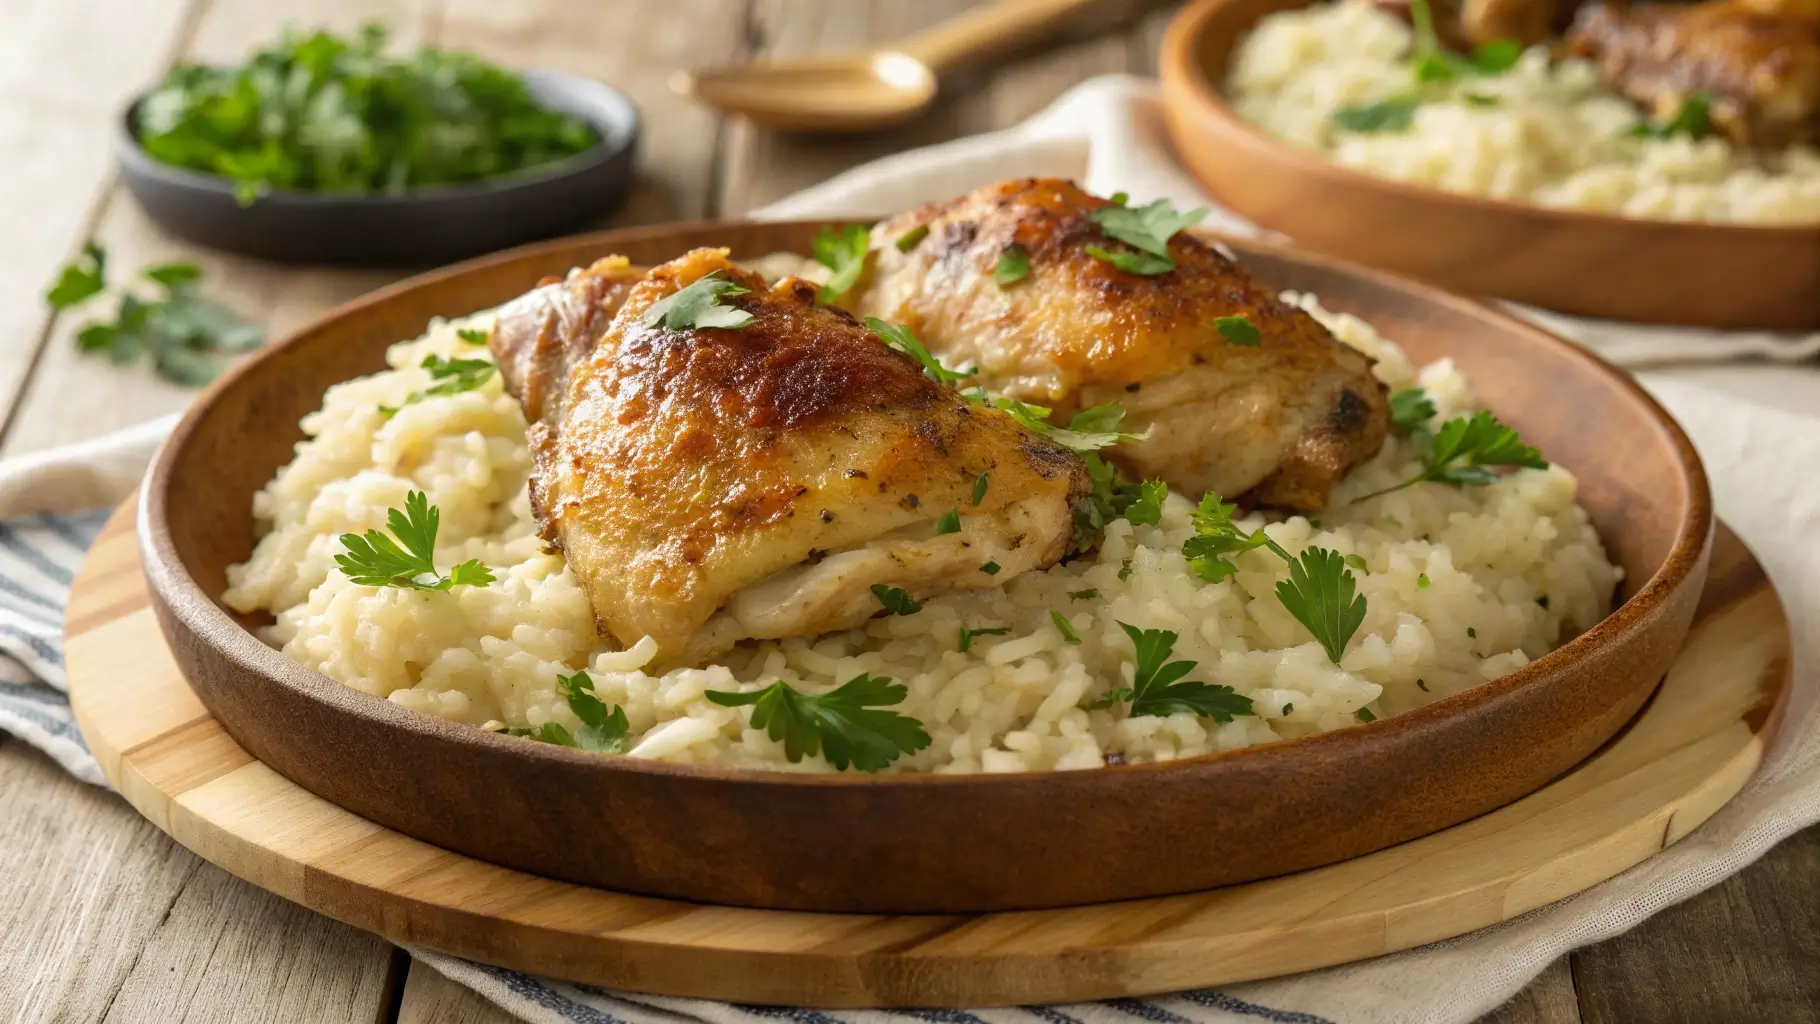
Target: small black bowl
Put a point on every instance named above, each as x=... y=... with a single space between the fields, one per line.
x=434 y=225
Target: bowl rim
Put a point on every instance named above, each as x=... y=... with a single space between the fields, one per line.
x=1179 y=65
x=176 y=592
x=619 y=135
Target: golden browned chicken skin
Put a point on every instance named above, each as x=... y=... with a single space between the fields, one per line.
x=1279 y=423
x=1759 y=59
x=713 y=485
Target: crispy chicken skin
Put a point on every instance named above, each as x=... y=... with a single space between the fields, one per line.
x=1279 y=423
x=713 y=485
x=1760 y=59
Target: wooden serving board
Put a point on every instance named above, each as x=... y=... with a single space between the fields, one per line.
x=1684 y=756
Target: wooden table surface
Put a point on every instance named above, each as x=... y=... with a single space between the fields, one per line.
x=104 y=917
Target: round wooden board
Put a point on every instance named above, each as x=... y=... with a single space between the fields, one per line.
x=1687 y=753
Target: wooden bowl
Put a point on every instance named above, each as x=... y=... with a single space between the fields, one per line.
x=931 y=843
x=1592 y=264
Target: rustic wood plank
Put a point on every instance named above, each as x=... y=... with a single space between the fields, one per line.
x=84 y=883
x=1547 y=1000
x=1744 y=950
x=66 y=68
x=230 y=952
x=430 y=998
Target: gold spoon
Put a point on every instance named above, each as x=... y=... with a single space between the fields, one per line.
x=872 y=88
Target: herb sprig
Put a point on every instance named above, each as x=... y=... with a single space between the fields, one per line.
x=1155 y=687
x=698 y=305
x=843 y=725
x=904 y=340
x=375 y=560
x=602 y=730
x=1694 y=119
x=451 y=376
x=1464 y=451
x=1431 y=63
x=1147 y=229
x=842 y=250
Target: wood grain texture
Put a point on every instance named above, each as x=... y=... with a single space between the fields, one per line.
x=1549 y=999
x=1656 y=271
x=1695 y=744
x=1127 y=831
x=430 y=998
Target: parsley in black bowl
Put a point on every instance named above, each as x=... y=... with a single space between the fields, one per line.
x=324 y=149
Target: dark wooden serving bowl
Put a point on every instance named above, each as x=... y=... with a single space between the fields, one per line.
x=1593 y=264
x=931 y=843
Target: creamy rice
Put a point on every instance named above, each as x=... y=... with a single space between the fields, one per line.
x=1556 y=136
x=1464 y=585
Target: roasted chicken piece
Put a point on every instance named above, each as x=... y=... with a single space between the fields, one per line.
x=1760 y=66
x=1280 y=422
x=710 y=484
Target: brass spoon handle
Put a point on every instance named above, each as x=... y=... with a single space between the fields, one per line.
x=992 y=28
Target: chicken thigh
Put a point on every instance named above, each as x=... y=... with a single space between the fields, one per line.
x=713 y=484
x=1280 y=422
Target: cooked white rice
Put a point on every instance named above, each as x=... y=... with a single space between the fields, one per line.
x=1464 y=585
x=1556 y=136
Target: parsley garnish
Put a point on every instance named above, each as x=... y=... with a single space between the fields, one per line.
x=1421 y=581
x=967 y=636
x=909 y=239
x=1154 y=689
x=1433 y=62
x=897 y=601
x=1694 y=119
x=1391 y=115
x=1355 y=562
x=1013 y=265
x=452 y=376
x=1147 y=508
x=1364 y=715
x=473 y=335
x=950 y=522
x=1464 y=447
x=183 y=333
x=979 y=489
x=1410 y=411
x=990 y=568
x=1124 y=570
x=374 y=560
x=1239 y=330
x=842 y=250
x=1321 y=594
x=1216 y=537
x=1145 y=228
x=899 y=337
x=1062 y=626
x=698 y=305
x=322 y=113
x=1089 y=430
x=841 y=725
x=1083 y=595
x=601 y=729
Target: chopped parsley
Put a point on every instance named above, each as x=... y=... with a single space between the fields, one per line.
x=990 y=568
x=842 y=250
x=1694 y=119
x=375 y=560
x=1355 y=562
x=1421 y=581
x=1147 y=508
x=979 y=489
x=1471 y=632
x=1389 y=115
x=1217 y=537
x=1063 y=627
x=1287 y=708
x=911 y=238
x=1239 y=330
x=950 y=522
x=1083 y=595
x=900 y=338
x=1433 y=62
x=1124 y=570
x=1410 y=411
x=473 y=335
x=1013 y=265
x=1364 y=715
x=897 y=601
x=843 y=725
x=451 y=376
x=1147 y=229
x=601 y=729
x=1464 y=449
x=967 y=636
x=82 y=279
x=698 y=305
x=1155 y=689
x=1089 y=430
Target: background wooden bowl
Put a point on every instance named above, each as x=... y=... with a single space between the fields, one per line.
x=1593 y=264
x=931 y=843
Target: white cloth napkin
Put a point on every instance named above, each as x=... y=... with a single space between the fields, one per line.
x=1108 y=134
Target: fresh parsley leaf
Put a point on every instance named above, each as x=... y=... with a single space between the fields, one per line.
x=1322 y=595
x=950 y=522
x=912 y=238
x=1432 y=62
x=842 y=250
x=900 y=337
x=316 y=112
x=979 y=489
x=1390 y=115
x=81 y=280
x=1421 y=581
x=473 y=335
x=1497 y=56
x=1119 y=198
x=1410 y=411
x=967 y=636
x=1013 y=265
x=1083 y=595
x=1155 y=689
x=1147 y=229
x=1471 y=632
x=896 y=600
x=842 y=725
x=1463 y=449
x=698 y=306
x=1140 y=263
x=1217 y=538
x=453 y=376
x=1124 y=570
x=1694 y=119
x=1147 y=509
x=1089 y=430
x=601 y=729
x=1239 y=330
x=1364 y=715
x=1355 y=562
x=173 y=275
x=375 y=560
x=549 y=732
x=990 y=568
x=1062 y=626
